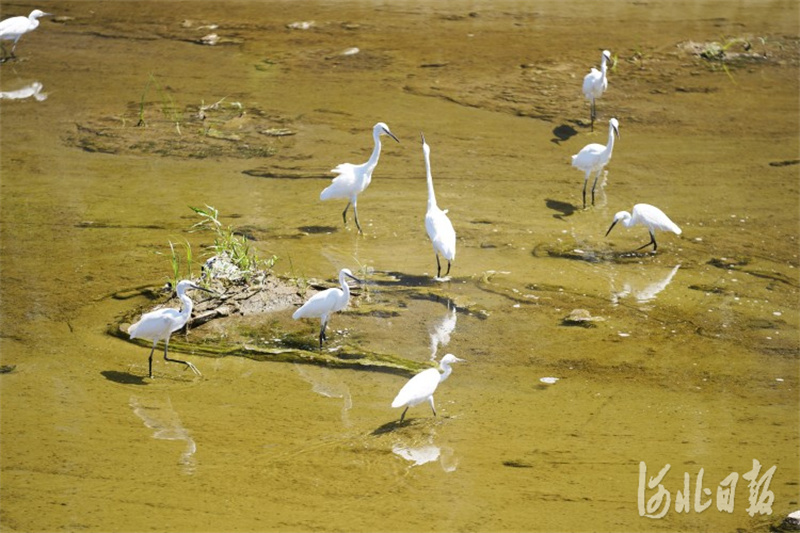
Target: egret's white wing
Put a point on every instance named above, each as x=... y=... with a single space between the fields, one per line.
x=418 y=389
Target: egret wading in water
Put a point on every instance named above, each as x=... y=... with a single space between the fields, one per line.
x=422 y=386
x=322 y=304
x=596 y=82
x=353 y=179
x=594 y=157
x=160 y=324
x=440 y=229
x=649 y=216
x=11 y=29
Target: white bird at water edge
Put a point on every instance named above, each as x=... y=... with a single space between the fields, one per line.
x=160 y=324
x=353 y=179
x=594 y=157
x=596 y=82
x=440 y=229
x=649 y=216
x=422 y=386
x=324 y=303
x=12 y=28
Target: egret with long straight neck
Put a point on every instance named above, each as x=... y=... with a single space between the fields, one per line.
x=440 y=229
x=596 y=82
x=594 y=157
x=422 y=386
x=324 y=303
x=160 y=324
x=648 y=216
x=353 y=179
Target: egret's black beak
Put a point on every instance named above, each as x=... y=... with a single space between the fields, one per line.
x=353 y=277
x=423 y=137
x=390 y=134
x=616 y=130
x=611 y=227
x=199 y=288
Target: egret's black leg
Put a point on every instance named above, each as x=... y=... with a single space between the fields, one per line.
x=404 y=414
x=344 y=213
x=652 y=241
x=432 y=407
x=187 y=363
x=448 y=269
x=585 y=181
x=593 y=114
x=355 y=212
x=438 y=267
x=322 y=336
x=594 y=185
x=151 y=359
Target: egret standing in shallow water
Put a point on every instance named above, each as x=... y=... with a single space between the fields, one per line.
x=649 y=216
x=596 y=82
x=440 y=229
x=594 y=157
x=353 y=179
x=322 y=304
x=11 y=29
x=160 y=324
x=422 y=386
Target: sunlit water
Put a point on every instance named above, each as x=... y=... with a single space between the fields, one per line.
x=691 y=360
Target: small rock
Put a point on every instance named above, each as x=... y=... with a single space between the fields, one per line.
x=301 y=25
x=581 y=317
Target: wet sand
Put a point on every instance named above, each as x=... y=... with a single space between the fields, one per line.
x=695 y=363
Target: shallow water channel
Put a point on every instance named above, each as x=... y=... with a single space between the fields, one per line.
x=692 y=361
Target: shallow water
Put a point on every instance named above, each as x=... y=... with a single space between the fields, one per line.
x=695 y=363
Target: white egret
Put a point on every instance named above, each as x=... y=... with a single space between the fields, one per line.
x=649 y=216
x=322 y=304
x=422 y=386
x=160 y=324
x=353 y=179
x=594 y=157
x=440 y=229
x=12 y=28
x=596 y=82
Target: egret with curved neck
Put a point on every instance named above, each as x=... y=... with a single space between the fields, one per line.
x=12 y=28
x=324 y=303
x=422 y=386
x=160 y=324
x=353 y=179
x=440 y=229
x=649 y=216
x=594 y=157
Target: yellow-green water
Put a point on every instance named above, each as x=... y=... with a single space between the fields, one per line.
x=694 y=365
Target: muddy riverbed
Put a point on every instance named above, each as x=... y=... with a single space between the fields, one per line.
x=118 y=116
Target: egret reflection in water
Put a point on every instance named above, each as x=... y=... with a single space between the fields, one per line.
x=441 y=330
x=419 y=454
x=34 y=89
x=327 y=382
x=160 y=416
x=643 y=286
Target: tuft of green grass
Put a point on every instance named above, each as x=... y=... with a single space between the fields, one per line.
x=180 y=268
x=229 y=244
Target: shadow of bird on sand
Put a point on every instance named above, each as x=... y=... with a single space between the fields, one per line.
x=125 y=378
x=564 y=209
x=563 y=133
x=391 y=426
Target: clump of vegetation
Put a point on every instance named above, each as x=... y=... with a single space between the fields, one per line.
x=169 y=108
x=180 y=270
x=233 y=255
